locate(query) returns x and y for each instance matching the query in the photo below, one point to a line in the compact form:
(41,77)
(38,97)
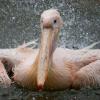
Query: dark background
(19,22)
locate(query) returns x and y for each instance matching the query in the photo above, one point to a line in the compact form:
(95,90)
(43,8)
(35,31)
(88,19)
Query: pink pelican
(50,67)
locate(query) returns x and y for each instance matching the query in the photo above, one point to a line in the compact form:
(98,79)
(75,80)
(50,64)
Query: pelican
(50,67)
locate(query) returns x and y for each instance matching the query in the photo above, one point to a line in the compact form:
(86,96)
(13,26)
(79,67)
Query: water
(19,22)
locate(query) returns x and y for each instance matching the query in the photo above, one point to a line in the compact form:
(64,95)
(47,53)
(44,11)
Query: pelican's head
(51,19)
(51,23)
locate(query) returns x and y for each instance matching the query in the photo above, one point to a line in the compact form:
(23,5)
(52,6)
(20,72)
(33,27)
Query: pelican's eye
(55,21)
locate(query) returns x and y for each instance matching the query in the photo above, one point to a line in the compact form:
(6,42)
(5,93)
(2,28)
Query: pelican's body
(52,68)
(67,64)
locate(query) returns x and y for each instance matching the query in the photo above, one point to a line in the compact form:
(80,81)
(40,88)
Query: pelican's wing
(5,81)
(88,75)
(90,46)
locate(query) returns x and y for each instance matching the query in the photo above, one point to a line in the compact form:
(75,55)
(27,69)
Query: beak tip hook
(40,87)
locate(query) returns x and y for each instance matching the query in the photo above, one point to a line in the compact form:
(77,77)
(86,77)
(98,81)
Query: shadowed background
(19,22)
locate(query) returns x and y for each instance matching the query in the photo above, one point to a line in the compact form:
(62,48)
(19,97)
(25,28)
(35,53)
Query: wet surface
(19,22)
(15,93)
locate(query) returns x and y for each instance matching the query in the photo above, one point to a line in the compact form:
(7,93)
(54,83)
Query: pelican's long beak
(47,47)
